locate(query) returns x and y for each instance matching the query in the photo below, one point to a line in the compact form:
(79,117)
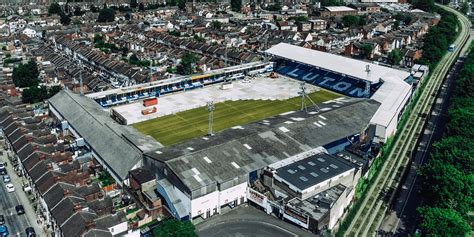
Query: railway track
(373,207)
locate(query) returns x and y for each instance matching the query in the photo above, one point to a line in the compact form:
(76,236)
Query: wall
(201,205)
(233,193)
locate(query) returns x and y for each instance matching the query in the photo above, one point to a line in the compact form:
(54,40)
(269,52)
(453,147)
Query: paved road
(16,224)
(248,221)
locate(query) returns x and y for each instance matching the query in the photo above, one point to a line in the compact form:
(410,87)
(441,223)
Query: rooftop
(313,170)
(337,63)
(119,146)
(242,149)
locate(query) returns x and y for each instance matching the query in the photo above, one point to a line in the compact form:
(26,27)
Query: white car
(10,187)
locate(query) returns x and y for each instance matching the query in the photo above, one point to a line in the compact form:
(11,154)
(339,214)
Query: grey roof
(240,150)
(318,205)
(120,147)
(313,170)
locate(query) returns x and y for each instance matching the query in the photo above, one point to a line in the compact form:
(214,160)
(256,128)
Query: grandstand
(350,77)
(182,83)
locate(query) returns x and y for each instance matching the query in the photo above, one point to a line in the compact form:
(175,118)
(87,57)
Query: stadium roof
(120,147)
(392,93)
(316,169)
(242,149)
(336,63)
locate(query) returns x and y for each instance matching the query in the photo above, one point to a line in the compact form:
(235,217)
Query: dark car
(20,210)
(30,232)
(2,220)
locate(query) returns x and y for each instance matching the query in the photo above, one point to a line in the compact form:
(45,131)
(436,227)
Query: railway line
(373,207)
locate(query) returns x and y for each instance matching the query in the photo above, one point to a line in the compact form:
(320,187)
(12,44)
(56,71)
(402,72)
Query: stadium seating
(323,78)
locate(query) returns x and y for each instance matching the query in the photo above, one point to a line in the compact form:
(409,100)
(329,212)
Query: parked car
(10,187)
(3,230)
(20,210)
(2,219)
(30,232)
(6,179)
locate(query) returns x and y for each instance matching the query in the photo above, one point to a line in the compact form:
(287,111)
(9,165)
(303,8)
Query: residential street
(16,223)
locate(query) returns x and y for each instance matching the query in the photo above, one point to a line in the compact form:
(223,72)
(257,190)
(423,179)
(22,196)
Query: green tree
(395,56)
(65,19)
(461,122)
(366,50)
(455,150)
(78,11)
(187,63)
(236,5)
(350,21)
(141,7)
(54,8)
(216,25)
(174,228)
(133,3)
(425,5)
(181,4)
(26,75)
(446,186)
(464,7)
(106,15)
(442,222)
(93,8)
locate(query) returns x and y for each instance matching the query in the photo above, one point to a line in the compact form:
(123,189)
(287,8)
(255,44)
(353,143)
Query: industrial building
(351,77)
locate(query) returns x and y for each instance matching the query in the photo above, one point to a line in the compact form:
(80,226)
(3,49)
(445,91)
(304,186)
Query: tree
(366,50)
(425,5)
(455,150)
(395,56)
(133,3)
(442,222)
(34,94)
(78,11)
(464,7)
(141,7)
(26,75)
(106,15)
(54,8)
(187,63)
(350,21)
(65,19)
(446,186)
(93,8)
(172,227)
(236,5)
(181,4)
(216,25)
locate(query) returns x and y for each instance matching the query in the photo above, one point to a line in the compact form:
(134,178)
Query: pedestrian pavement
(22,196)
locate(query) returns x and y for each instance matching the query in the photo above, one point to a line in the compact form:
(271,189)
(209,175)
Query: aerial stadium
(263,119)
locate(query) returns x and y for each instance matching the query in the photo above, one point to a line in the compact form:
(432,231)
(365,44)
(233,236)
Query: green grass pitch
(193,123)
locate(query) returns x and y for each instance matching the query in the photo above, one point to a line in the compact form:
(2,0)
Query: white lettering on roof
(207,159)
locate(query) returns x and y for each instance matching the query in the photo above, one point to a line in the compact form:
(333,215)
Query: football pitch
(193,123)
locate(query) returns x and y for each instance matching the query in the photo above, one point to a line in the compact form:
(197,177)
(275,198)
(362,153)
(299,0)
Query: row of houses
(61,176)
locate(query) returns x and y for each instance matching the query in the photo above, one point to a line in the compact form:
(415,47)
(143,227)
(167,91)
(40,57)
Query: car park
(20,210)
(10,187)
